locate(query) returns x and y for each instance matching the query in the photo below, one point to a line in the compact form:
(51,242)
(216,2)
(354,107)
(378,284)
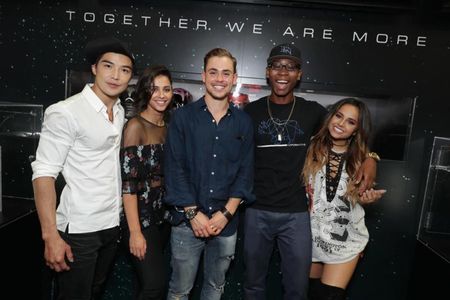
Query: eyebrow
(343,115)
(110,62)
(215,69)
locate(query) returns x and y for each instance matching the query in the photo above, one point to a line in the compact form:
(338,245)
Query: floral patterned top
(141,167)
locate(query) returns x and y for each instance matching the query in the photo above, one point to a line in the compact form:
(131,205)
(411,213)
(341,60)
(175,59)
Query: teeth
(282,81)
(338,129)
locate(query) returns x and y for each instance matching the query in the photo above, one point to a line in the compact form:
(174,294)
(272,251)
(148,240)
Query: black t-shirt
(281,143)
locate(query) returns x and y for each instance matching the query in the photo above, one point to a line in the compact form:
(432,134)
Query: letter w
(234,26)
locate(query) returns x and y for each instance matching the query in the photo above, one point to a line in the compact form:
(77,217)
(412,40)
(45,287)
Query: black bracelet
(226,213)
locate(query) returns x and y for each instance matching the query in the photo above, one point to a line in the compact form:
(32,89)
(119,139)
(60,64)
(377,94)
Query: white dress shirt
(79,140)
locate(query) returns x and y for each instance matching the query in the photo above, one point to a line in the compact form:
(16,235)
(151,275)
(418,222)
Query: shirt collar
(202,106)
(94,100)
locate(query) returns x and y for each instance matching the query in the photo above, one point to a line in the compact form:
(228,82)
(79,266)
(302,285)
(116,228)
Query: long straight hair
(321,143)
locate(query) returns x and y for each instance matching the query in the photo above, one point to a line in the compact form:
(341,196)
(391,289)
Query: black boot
(328,292)
(314,289)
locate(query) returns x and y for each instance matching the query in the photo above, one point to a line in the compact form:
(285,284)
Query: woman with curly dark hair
(143,181)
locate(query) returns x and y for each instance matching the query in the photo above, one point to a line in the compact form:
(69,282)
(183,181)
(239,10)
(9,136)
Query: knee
(154,291)
(328,292)
(172,295)
(219,288)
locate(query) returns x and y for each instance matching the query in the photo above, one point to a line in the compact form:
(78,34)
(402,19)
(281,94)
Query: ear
(203,76)
(235,76)
(300,73)
(94,69)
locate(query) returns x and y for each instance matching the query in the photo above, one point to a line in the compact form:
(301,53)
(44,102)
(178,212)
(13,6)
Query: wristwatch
(190,213)
(374,155)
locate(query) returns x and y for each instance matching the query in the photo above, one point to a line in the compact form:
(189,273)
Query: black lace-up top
(334,168)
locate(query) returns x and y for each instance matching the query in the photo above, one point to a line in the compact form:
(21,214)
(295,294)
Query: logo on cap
(286,50)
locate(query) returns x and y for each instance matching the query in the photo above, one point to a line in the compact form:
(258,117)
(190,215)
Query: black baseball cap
(96,48)
(285,51)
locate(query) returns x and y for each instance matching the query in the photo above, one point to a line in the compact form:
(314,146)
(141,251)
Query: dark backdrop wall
(356,50)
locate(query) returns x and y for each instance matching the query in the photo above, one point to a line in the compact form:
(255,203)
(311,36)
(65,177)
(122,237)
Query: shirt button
(214,155)
(212,173)
(214,121)
(211,191)
(217,137)
(210,208)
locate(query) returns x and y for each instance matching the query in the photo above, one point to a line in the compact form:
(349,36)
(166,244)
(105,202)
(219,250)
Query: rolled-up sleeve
(179,185)
(242,186)
(57,137)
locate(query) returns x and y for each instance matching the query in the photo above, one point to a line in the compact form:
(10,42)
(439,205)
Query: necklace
(278,124)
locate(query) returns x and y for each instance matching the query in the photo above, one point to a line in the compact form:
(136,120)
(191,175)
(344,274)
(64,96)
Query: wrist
(227,214)
(190,212)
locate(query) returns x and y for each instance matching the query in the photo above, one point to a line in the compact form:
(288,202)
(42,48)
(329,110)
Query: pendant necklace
(277,124)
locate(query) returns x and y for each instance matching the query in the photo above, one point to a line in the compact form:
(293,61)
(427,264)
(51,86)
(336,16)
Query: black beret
(98,47)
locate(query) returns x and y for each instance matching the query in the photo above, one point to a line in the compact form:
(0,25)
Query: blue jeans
(186,252)
(292,233)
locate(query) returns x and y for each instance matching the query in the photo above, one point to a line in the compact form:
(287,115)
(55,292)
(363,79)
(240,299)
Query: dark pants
(94,255)
(152,271)
(291,232)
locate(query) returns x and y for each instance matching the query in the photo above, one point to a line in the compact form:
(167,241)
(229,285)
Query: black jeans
(94,255)
(152,271)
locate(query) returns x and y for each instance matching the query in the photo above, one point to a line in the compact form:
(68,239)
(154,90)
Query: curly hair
(144,86)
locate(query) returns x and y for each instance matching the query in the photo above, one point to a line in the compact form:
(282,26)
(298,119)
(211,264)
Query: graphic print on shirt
(280,132)
(333,218)
(339,230)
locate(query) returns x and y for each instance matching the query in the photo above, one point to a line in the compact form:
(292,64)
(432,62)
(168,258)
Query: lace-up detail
(334,168)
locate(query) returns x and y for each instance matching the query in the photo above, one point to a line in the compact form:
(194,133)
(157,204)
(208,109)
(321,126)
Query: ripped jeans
(185,257)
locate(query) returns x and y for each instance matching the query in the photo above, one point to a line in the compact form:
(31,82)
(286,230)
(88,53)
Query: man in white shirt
(80,138)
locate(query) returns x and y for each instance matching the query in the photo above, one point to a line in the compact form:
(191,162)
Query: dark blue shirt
(207,162)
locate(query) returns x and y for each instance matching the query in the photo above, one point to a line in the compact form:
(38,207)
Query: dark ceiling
(418,6)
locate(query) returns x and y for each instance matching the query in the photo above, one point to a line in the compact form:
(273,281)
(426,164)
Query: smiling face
(112,73)
(344,123)
(283,75)
(161,94)
(219,77)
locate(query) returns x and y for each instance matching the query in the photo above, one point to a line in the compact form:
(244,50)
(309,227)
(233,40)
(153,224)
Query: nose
(159,93)
(116,73)
(220,76)
(284,69)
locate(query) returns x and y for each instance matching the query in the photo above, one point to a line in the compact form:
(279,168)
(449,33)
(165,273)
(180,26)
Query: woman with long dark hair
(339,233)
(143,181)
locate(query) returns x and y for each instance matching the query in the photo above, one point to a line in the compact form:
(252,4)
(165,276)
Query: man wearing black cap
(283,126)
(80,138)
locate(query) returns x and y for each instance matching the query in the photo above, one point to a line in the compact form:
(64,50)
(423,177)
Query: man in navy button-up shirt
(209,172)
